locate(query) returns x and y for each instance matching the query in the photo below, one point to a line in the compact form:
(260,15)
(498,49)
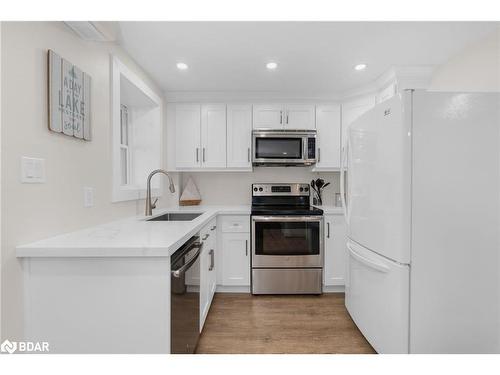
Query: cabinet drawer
(235,224)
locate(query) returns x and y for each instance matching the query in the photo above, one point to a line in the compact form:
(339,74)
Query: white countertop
(331,210)
(131,237)
(134,236)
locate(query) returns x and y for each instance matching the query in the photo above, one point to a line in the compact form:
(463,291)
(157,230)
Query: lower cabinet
(235,250)
(335,251)
(208,279)
(236,259)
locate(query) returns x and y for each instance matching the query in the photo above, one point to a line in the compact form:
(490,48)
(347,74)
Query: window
(137,134)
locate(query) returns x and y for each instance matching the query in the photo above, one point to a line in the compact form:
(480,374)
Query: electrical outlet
(32,170)
(88,196)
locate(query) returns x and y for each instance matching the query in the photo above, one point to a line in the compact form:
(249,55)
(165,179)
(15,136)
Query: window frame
(133,190)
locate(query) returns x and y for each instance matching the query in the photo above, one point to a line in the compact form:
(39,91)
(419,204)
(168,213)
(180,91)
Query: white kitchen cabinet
(283,116)
(187,135)
(268,116)
(328,140)
(299,116)
(239,136)
(208,279)
(213,136)
(236,259)
(335,250)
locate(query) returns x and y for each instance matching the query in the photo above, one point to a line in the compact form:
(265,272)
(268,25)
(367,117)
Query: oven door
(278,148)
(287,241)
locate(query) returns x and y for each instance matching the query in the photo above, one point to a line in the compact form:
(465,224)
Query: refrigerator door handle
(342,179)
(367,262)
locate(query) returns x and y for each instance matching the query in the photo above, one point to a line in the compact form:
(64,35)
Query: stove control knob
(260,189)
(306,189)
(301,189)
(255,189)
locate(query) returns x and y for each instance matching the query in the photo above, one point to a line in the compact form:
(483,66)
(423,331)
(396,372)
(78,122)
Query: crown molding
(406,77)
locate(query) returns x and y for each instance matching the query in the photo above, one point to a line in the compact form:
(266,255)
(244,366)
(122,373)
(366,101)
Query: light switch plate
(88,196)
(32,170)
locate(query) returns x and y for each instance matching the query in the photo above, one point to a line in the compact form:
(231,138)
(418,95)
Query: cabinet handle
(205,237)
(287,117)
(203,154)
(213,228)
(197,157)
(248,154)
(246,247)
(281,117)
(319,154)
(327,230)
(212,259)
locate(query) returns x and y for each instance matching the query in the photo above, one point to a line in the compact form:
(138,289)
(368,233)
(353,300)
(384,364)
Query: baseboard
(232,289)
(333,289)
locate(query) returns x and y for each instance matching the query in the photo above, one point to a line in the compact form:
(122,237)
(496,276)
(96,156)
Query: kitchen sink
(177,216)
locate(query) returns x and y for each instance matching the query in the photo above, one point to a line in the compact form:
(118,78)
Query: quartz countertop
(130,237)
(135,236)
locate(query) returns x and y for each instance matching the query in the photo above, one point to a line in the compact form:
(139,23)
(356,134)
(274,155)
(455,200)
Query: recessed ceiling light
(271,65)
(360,67)
(182,66)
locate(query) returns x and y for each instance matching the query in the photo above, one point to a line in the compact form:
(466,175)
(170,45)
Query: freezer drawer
(377,297)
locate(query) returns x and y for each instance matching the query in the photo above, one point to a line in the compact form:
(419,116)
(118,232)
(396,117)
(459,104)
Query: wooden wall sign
(69,98)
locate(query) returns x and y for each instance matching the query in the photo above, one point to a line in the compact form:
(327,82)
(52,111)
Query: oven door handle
(287,218)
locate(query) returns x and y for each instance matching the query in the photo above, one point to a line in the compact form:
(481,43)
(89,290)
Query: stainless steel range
(287,240)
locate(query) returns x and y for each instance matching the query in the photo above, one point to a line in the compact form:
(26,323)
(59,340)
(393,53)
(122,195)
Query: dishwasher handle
(179,272)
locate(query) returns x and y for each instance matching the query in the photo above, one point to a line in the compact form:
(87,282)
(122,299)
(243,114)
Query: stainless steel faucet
(151,205)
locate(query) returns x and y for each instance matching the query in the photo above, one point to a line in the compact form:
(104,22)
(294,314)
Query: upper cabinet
(267,116)
(281,116)
(239,136)
(213,136)
(299,116)
(328,140)
(187,135)
(200,136)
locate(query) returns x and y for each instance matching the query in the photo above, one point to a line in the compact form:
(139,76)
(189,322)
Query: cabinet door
(236,259)
(299,116)
(239,136)
(207,269)
(335,250)
(204,285)
(187,136)
(268,116)
(328,137)
(213,136)
(212,265)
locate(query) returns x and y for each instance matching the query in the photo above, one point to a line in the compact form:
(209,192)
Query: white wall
(234,188)
(475,68)
(37,211)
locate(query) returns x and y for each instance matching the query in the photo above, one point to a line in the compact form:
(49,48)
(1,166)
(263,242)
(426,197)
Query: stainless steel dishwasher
(185,297)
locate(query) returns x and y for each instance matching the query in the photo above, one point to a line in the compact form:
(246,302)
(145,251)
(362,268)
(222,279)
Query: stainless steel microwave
(284,147)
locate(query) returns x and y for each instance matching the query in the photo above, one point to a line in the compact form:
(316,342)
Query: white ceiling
(314,57)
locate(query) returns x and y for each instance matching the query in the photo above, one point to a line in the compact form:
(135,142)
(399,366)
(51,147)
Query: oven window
(287,238)
(278,148)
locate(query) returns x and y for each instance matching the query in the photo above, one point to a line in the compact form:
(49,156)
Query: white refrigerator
(422,205)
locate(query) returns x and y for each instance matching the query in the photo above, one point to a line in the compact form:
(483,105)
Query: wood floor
(242,323)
